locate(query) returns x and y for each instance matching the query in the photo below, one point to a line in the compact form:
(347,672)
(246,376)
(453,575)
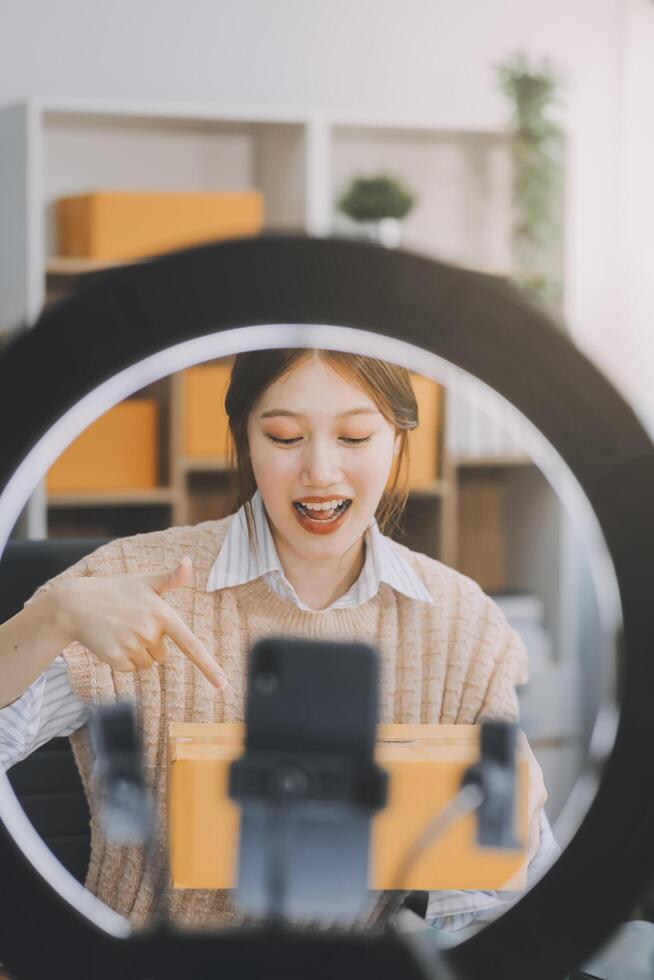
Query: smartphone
(308,784)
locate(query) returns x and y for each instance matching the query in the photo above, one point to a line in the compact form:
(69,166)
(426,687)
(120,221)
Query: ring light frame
(479,324)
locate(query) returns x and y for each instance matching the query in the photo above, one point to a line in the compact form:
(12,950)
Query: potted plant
(378,205)
(537,155)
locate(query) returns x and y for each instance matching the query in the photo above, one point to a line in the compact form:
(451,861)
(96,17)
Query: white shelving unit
(301,162)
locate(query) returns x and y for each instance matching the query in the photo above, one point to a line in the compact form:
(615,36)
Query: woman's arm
(122,619)
(29,642)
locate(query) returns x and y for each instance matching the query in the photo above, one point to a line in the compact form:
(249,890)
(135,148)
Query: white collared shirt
(237,563)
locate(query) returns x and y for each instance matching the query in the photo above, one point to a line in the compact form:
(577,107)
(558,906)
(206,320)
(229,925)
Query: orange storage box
(424,441)
(206,429)
(116,452)
(425,764)
(121,225)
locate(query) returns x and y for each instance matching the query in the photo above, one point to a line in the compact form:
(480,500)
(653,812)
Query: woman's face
(315,438)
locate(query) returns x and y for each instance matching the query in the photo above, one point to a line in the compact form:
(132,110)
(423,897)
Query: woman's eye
(350,441)
(285,442)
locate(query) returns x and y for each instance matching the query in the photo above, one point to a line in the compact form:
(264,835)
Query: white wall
(419,56)
(630,330)
(430,57)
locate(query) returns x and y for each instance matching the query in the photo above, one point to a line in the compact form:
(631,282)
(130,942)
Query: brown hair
(388,385)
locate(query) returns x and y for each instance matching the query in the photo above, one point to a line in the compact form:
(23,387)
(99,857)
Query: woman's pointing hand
(123,620)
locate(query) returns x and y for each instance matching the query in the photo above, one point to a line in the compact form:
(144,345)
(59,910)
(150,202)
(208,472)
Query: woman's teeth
(328,505)
(333,507)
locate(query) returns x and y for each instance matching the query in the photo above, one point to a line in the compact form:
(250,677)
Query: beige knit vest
(451,662)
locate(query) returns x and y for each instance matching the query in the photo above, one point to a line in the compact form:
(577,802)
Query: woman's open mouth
(324,517)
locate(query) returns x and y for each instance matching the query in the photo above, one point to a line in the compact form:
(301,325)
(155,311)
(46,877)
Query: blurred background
(515,138)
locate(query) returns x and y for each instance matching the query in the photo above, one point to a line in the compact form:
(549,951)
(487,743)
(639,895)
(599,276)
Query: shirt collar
(237,563)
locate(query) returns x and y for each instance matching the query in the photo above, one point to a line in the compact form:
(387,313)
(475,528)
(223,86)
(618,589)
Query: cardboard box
(424,441)
(425,764)
(122,225)
(116,452)
(206,428)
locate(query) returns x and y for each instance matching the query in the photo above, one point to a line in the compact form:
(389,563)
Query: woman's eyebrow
(363,410)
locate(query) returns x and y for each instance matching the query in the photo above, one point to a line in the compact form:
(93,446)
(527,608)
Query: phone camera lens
(266,682)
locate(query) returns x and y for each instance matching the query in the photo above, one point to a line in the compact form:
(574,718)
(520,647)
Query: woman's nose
(321,466)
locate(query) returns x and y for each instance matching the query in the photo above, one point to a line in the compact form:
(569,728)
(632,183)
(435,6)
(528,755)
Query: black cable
(468,799)
(155,857)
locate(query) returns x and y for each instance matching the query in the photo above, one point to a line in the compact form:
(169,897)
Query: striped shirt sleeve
(47,709)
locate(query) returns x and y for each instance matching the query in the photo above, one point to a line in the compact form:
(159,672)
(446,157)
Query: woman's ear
(397,444)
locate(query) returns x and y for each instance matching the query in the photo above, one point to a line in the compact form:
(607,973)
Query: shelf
(437,489)
(62,266)
(488,461)
(149,496)
(206,464)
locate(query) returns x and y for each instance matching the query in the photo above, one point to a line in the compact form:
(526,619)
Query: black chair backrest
(47,783)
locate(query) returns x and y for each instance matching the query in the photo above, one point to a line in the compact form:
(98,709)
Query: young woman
(168,618)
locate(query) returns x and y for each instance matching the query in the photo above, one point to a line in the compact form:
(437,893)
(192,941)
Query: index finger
(189,644)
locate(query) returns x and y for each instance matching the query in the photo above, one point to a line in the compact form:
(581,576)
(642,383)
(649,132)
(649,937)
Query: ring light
(214,300)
